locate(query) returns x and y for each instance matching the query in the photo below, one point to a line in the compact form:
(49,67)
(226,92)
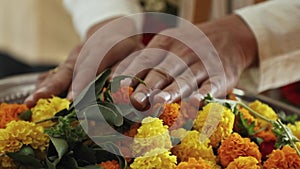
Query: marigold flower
(179,133)
(122,96)
(287,157)
(156,158)
(19,133)
(152,134)
(47,108)
(264,110)
(266,135)
(192,163)
(191,146)
(235,146)
(248,162)
(170,113)
(10,112)
(295,128)
(215,121)
(6,162)
(110,164)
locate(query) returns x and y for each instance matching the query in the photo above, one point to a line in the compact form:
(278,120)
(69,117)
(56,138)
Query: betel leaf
(91,90)
(116,82)
(25,156)
(26,115)
(84,153)
(57,149)
(104,111)
(110,115)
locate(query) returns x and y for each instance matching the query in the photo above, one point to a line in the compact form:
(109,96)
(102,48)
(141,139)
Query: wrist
(246,40)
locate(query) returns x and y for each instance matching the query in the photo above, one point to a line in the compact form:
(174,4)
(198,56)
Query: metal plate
(16,88)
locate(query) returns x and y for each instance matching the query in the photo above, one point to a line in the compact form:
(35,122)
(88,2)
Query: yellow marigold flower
(152,134)
(264,110)
(215,121)
(295,128)
(248,162)
(191,146)
(6,162)
(47,108)
(287,157)
(156,158)
(10,112)
(235,146)
(19,133)
(110,164)
(192,163)
(170,113)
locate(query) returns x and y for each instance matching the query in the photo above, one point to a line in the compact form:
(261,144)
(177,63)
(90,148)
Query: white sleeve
(276,26)
(86,13)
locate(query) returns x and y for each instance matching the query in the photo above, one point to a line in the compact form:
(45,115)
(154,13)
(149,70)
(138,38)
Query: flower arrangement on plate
(100,129)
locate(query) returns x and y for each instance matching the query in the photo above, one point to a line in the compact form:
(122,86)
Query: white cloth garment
(275,25)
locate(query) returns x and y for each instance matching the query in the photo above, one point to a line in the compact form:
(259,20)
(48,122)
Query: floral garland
(51,134)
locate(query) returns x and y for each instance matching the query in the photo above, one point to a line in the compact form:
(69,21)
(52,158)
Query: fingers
(161,76)
(55,83)
(91,62)
(183,85)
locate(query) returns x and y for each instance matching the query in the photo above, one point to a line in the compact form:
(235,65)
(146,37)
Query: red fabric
(292,93)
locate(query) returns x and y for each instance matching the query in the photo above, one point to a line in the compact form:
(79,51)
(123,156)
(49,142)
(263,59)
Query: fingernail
(70,96)
(162,97)
(139,100)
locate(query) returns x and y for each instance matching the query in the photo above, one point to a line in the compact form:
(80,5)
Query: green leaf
(57,149)
(287,118)
(108,112)
(26,157)
(245,127)
(84,153)
(26,115)
(87,94)
(92,167)
(107,138)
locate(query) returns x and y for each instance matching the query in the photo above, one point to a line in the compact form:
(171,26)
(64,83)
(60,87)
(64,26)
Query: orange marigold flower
(266,135)
(248,162)
(264,110)
(285,158)
(10,112)
(235,146)
(192,163)
(214,121)
(192,146)
(110,164)
(187,112)
(170,113)
(122,96)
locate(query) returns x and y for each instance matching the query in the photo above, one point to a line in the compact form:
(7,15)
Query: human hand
(60,79)
(193,68)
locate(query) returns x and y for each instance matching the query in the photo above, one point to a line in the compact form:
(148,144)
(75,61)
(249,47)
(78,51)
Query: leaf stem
(290,137)
(255,113)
